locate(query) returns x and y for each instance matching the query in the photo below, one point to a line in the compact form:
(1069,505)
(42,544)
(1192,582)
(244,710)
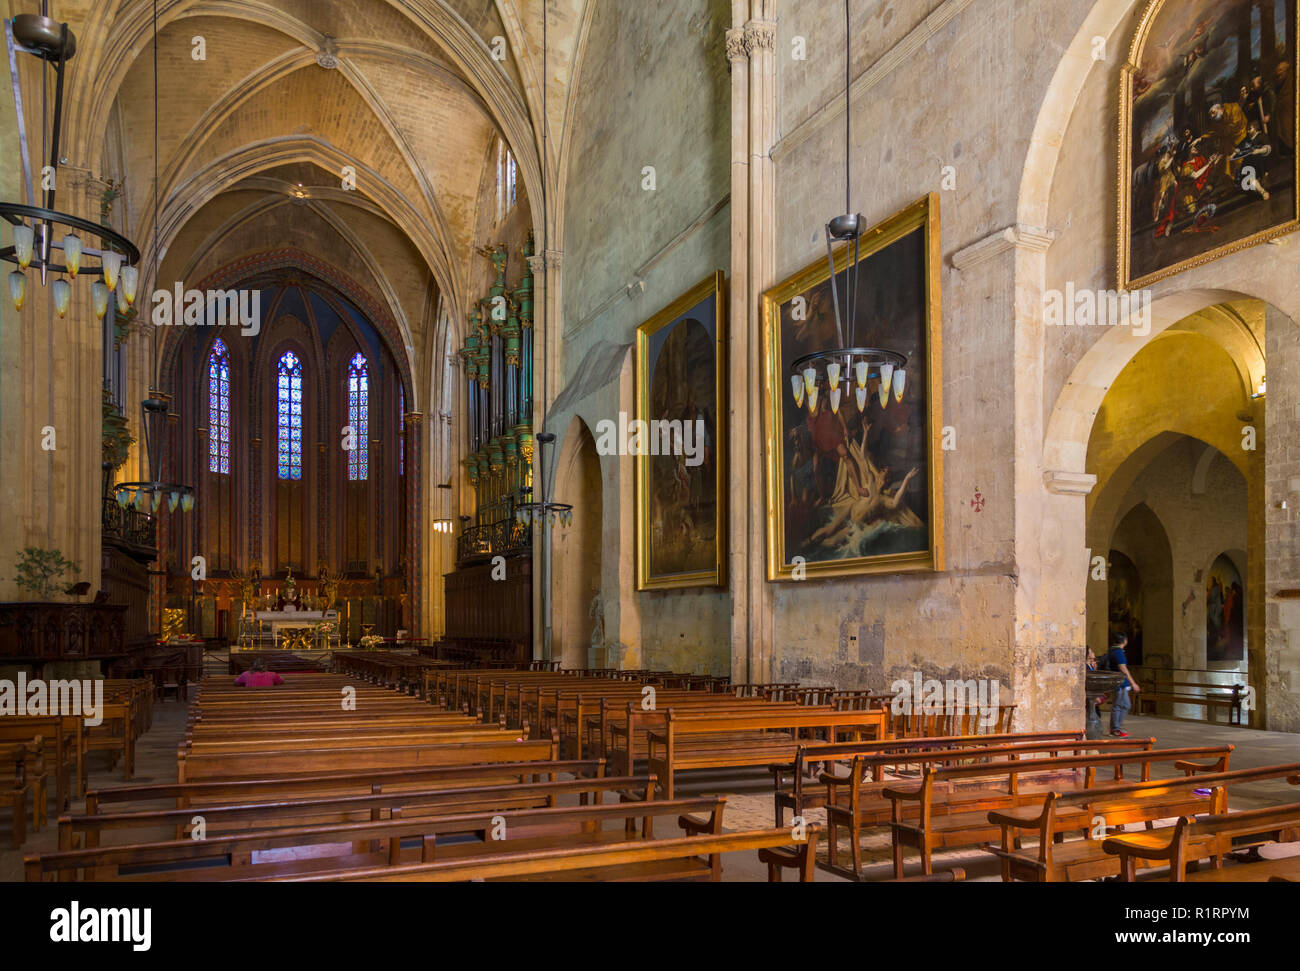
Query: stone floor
(749,803)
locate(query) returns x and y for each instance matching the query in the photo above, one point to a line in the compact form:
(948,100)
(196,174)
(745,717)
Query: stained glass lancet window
(401,431)
(358,419)
(289,415)
(219,408)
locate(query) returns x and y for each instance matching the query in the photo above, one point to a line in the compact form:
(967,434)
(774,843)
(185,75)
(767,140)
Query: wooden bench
(704,739)
(1229,700)
(20,763)
(222,818)
(684,858)
(1085,859)
(201,766)
(963,820)
(256,789)
(807,792)
(1211,836)
(65,748)
(283,852)
(116,734)
(955,720)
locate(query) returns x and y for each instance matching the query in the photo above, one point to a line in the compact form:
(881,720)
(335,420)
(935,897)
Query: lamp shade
(123,498)
(187,502)
(72,254)
(112,265)
(122,305)
(17,289)
(900,380)
(99,295)
(130,280)
(62,292)
(24,240)
(796,381)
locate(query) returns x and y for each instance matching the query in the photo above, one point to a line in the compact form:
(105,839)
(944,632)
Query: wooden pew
(338,846)
(806,792)
(1085,859)
(705,739)
(116,734)
(966,822)
(201,766)
(219,819)
(65,748)
(855,802)
(1213,835)
(683,858)
(20,763)
(256,789)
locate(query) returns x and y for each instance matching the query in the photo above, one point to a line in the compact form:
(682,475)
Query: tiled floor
(749,803)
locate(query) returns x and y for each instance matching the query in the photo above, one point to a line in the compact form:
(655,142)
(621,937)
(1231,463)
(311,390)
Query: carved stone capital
(413,417)
(536,264)
(736,49)
(760,35)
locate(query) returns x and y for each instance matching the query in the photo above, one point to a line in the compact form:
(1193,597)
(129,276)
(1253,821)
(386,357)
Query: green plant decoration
(39,570)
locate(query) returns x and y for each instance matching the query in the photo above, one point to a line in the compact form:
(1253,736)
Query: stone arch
(578,619)
(1144,539)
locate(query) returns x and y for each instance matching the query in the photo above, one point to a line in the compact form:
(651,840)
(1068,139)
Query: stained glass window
(289,415)
(401,431)
(219,408)
(358,419)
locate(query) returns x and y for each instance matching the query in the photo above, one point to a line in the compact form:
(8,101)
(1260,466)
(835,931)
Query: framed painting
(854,483)
(1208,108)
(678,438)
(1225,613)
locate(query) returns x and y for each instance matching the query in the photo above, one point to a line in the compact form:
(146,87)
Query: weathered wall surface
(1077,198)
(653,92)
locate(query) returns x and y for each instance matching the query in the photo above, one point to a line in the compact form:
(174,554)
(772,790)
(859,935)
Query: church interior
(442,436)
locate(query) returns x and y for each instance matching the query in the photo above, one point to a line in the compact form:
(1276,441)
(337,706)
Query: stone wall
(649,70)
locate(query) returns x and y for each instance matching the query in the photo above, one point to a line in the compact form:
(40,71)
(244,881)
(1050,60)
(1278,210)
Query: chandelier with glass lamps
(546,511)
(40,230)
(826,378)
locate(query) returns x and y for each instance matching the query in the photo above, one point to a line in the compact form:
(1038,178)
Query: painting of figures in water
(853,471)
(681,519)
(1225,613)
(1208,155)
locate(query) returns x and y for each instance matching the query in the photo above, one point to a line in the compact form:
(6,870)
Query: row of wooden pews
(330,778)
(38,749)
(1066,793)
(632,718)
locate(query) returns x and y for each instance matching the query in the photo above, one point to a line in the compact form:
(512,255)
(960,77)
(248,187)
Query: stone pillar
(751,51)
(413,429)
(548,296)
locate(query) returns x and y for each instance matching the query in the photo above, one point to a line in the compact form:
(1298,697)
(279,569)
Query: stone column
(414,429)
(751,51)
(548,296)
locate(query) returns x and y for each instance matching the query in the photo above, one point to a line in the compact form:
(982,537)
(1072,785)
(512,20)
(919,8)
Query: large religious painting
(1225,612)
(1207,139)
(854,473)
(1124,586)
(680,442)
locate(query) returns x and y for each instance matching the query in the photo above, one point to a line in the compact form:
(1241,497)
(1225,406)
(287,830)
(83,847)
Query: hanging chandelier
(827,377)
(39,230)
(546,511)
(149,496)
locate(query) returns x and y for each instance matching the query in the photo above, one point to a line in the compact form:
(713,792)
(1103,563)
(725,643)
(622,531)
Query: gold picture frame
(1197,205)
(914,230)
(660,564)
